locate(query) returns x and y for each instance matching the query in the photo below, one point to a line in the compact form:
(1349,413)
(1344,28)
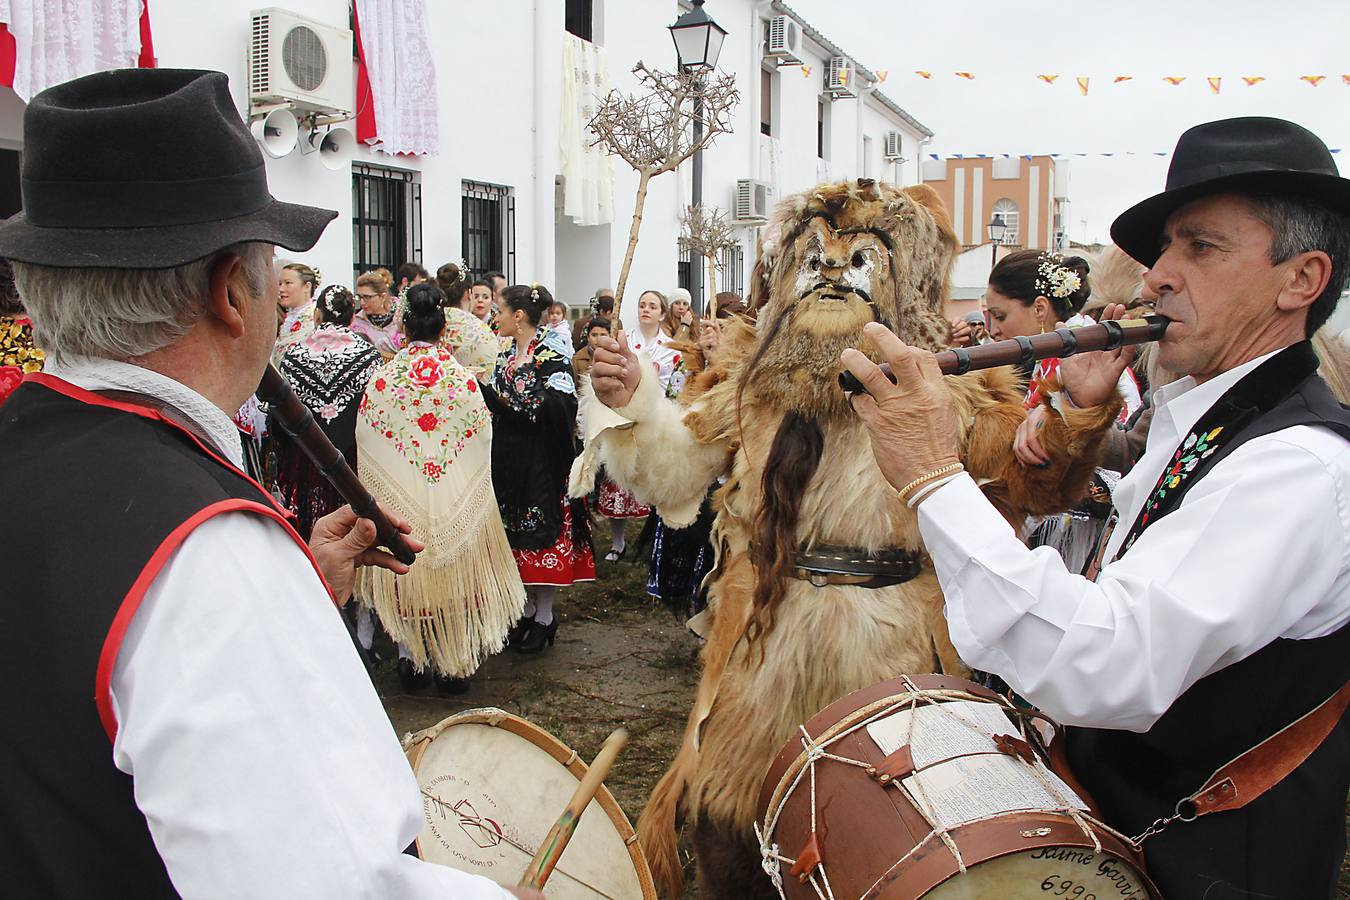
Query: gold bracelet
(949,469)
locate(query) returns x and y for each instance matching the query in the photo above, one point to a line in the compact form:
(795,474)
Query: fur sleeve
(647,449)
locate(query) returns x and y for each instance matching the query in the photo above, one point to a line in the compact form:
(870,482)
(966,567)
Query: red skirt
(560,565)
(616,503)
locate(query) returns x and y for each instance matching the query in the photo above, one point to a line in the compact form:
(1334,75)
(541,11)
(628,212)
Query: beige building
(1029,194)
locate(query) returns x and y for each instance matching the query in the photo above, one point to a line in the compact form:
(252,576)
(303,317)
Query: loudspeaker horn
(336,148)
(277,132)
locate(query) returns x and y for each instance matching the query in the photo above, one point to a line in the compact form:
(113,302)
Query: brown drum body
(873,839)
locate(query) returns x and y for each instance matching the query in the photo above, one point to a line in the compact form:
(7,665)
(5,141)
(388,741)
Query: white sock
(365,628)
(528,612)
(543,601)
(617,540)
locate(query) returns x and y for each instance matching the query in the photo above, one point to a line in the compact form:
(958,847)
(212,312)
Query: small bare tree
(653,131)
(706,231)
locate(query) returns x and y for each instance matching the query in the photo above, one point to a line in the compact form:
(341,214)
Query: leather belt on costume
(850,565)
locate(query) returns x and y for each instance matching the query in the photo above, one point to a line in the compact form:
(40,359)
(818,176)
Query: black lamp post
(698,41)
(997,228)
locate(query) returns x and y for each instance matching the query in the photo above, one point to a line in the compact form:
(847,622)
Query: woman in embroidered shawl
(534,408)
(296,286)
(468,337)
(328,369)
(376,321)
(426,443)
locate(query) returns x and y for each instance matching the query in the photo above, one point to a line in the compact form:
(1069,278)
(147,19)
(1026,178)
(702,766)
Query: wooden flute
(1023,350)
(297,421)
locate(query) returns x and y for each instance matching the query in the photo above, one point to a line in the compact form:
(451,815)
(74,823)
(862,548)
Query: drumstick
(536,874)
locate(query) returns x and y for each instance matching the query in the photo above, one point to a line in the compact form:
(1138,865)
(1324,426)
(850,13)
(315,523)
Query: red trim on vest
(75,392)
(132,601)
(107,658)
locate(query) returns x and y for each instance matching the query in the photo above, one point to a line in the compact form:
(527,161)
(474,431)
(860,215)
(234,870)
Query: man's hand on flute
(912,423)
(1091,379)
(615,371)
(341,542)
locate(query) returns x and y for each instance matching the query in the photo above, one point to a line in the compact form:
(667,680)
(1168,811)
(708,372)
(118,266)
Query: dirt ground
(621,659)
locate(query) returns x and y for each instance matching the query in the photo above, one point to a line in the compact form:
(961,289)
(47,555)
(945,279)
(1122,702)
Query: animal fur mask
(838,257)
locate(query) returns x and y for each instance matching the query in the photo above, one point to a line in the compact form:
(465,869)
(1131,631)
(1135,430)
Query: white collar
(1185,401)
(94,374)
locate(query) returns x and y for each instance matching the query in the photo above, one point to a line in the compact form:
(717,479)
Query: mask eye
(859,260)
(814,262)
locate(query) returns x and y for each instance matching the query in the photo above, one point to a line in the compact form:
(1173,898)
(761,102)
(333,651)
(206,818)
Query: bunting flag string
(1029,156)
(1214,82)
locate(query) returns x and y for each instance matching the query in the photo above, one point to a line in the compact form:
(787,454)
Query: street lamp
(698,42)
(997,228)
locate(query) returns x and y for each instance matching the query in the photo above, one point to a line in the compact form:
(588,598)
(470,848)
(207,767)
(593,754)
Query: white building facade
(492,195)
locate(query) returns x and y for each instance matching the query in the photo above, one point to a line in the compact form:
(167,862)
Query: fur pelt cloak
(769,416)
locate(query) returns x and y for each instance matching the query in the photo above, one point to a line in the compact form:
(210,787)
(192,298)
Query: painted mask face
(839,275)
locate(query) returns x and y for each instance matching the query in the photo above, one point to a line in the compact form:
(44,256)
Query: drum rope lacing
(815,749)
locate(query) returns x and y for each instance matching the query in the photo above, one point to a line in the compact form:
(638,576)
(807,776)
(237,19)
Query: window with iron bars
(730,270)
(386,218)
(489,229)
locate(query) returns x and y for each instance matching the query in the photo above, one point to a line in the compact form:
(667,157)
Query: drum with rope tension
(932,786)
(492,785)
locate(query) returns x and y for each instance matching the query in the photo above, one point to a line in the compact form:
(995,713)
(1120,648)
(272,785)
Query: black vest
(1287,844)
(93,492)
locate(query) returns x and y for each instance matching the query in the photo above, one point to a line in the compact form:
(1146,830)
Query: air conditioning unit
(893,146)
(750,205)
(297,62)
(838,77)
(785,41)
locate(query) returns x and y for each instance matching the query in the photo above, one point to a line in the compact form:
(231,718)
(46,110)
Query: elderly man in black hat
(1215,617)
(184,711)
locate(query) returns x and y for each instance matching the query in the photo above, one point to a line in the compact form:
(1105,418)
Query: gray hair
(133,311)
(1300,225)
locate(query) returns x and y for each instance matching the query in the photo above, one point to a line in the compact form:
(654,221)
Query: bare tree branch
(653,131)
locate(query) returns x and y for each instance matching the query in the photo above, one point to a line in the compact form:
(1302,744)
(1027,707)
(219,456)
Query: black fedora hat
(1251,154)
(144,169)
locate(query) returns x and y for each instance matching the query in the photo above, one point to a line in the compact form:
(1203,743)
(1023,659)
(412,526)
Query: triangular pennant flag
(1005,155)
(1335,150)
(1160,154)
(844,73)
(1048,79)
(1314,80)
(1028,156)
(881,75)
(1082,84)
(1119,78)
(966,75)
(1253,79)
(922,74)
(1345,78)
(806,71)
(1174,80)
(1214,81)
(935,156)
(1055,155)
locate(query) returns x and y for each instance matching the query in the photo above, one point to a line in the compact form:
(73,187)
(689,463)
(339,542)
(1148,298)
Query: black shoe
(538,635)
(411,679)
(518,631)
(448,684)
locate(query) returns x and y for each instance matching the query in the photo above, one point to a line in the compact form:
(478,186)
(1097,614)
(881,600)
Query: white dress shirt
(261,756)
(1258,549)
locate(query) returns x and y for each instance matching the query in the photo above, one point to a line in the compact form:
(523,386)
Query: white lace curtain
(588,172)
(402,75)
(57,40)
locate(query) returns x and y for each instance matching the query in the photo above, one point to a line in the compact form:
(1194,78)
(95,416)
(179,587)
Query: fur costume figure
(769,416)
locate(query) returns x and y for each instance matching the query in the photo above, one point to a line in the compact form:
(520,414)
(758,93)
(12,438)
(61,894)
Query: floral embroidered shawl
(329,369)
(471,341)
(298,325)
(18,355)
(425,450)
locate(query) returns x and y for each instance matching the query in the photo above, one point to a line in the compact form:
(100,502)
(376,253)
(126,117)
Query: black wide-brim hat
(1253,154)
(145,169)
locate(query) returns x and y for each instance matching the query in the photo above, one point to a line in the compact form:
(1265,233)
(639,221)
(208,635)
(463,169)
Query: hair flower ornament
(1054,279)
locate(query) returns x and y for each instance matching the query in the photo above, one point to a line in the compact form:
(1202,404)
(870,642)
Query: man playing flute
(1218,611)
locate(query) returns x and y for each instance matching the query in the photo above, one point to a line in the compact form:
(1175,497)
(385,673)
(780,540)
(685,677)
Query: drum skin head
(1080,874)
(493,784)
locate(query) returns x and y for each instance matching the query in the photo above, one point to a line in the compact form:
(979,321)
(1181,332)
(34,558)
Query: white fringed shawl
(424,439)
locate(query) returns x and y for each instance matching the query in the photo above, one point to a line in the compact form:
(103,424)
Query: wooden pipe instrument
(1023,350)
(298,422)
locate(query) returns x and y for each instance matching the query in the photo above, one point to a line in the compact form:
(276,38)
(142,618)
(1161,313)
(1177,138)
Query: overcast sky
(1005,109)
